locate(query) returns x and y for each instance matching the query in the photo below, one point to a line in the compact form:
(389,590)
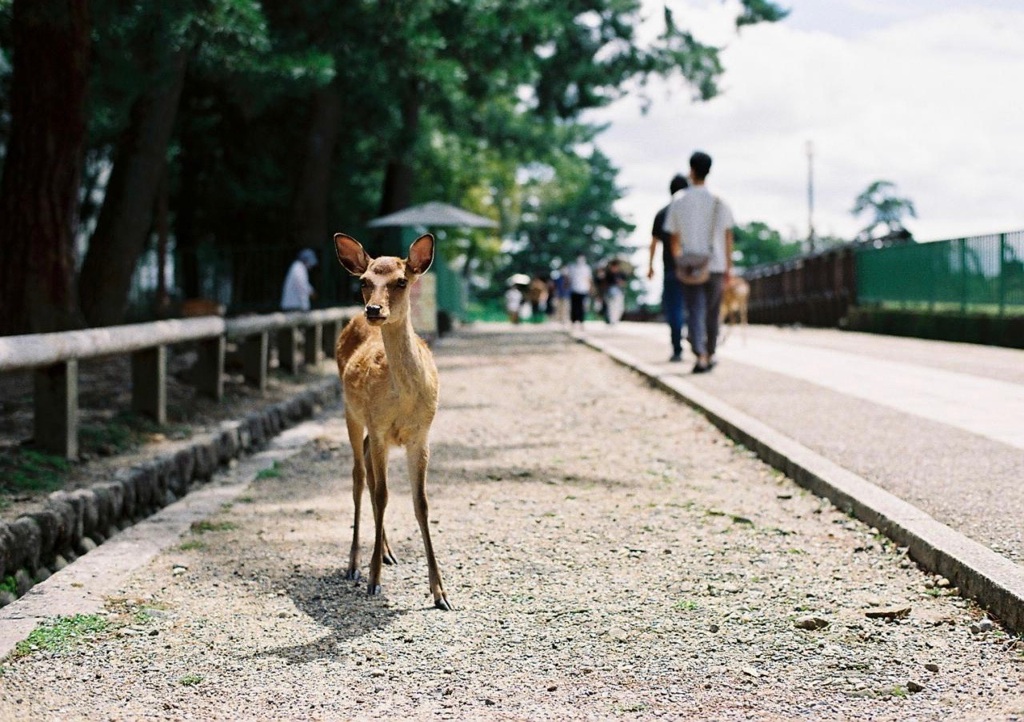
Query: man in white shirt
(701,223)
(580,279)
(298,291)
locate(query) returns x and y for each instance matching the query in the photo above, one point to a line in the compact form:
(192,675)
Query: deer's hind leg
(388,557)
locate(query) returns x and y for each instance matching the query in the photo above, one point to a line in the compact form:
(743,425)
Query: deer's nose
(373,311)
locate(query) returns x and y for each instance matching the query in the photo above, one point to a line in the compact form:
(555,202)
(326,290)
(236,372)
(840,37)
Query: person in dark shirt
(672,289)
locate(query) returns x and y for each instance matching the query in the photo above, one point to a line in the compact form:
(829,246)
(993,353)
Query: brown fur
(391,392)
(735,297)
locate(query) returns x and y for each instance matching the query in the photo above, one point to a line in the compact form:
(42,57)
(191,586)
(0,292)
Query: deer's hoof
(373,590)
(442,603)
(389,559)
(352,575)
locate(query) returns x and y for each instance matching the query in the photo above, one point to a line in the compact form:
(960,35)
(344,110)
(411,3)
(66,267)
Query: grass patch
(61,635)
(8,584)
(201,527)
(192,545)
(123,433)
(687,605)
(27,470)
(273,472)
(191,680)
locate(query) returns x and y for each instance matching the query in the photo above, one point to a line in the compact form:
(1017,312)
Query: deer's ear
(351,254)
(421,254)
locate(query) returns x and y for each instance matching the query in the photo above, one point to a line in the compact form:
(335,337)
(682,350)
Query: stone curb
(72,523)
(994,581)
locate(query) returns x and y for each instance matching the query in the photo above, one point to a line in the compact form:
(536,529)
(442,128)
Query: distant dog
(735,297)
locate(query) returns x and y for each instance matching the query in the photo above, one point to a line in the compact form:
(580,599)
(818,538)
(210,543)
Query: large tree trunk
(312,192)
(399,176)
(42,170)
(127,214)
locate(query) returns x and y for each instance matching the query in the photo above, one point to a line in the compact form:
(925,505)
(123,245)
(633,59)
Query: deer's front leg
(418,455)
(379,491)
(355,437)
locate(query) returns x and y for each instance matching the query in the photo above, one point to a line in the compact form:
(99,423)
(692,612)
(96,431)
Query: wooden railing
(815,290)
(53,358)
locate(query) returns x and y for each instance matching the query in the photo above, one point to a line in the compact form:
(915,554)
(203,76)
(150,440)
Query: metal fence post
(149,383)
(56,408)
(963,275)
(1002,274)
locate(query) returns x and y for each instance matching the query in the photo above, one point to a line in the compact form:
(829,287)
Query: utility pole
(810,196)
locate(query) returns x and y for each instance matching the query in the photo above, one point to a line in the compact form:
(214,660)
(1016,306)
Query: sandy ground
(609,554)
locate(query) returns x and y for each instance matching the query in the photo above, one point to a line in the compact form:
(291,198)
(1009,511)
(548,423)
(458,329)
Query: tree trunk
(312,192)
(161,225)
(127,214)
(399,176)
(43,167)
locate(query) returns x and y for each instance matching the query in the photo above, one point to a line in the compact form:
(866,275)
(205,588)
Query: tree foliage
(280,122)
(757,243)
(887,209)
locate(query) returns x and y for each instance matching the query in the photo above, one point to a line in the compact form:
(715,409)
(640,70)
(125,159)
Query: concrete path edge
(995,582)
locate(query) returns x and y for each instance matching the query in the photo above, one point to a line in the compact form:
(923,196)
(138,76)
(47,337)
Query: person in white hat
(297,291)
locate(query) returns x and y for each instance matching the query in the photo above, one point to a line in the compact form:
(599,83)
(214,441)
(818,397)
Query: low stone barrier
(72,523)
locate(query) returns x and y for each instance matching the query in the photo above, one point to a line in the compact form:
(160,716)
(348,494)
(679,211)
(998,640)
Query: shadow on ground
(339,605)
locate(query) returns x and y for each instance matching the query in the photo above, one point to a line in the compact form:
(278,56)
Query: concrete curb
(994,581)
(70,524)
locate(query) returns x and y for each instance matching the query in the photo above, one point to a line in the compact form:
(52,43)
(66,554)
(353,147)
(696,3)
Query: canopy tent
(433,214)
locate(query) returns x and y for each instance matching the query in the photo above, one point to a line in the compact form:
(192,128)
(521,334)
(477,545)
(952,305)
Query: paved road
(940,425)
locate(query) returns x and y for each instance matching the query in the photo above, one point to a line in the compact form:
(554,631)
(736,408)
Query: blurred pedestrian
(513,303)
(298,291)
(561,296)
(700,225)
(671,288)
(615,291)
(537,294)
(581,280)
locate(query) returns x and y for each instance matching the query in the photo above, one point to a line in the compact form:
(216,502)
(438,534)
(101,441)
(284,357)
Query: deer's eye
(365,284)
(401,283)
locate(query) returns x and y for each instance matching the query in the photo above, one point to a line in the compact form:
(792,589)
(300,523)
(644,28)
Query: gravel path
(609,554)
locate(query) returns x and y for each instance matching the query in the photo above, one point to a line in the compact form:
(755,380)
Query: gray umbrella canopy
(433,214)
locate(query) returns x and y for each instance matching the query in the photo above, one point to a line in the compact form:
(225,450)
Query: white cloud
(926,99)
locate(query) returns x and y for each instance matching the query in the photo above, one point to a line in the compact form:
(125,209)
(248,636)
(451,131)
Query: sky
(927,94)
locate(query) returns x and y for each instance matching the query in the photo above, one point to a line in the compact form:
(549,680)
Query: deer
(735,296)
(390,387)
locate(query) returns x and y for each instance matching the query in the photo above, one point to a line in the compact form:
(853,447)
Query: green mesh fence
(982,274)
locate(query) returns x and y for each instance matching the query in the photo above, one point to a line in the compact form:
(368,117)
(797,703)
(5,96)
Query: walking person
(580,284)
(700,225)
(297,290)
(513,303)
(561,296)
(671,288)
(615,291)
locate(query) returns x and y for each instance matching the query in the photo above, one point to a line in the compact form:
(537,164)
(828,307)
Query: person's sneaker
(676,358)
(701,368)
